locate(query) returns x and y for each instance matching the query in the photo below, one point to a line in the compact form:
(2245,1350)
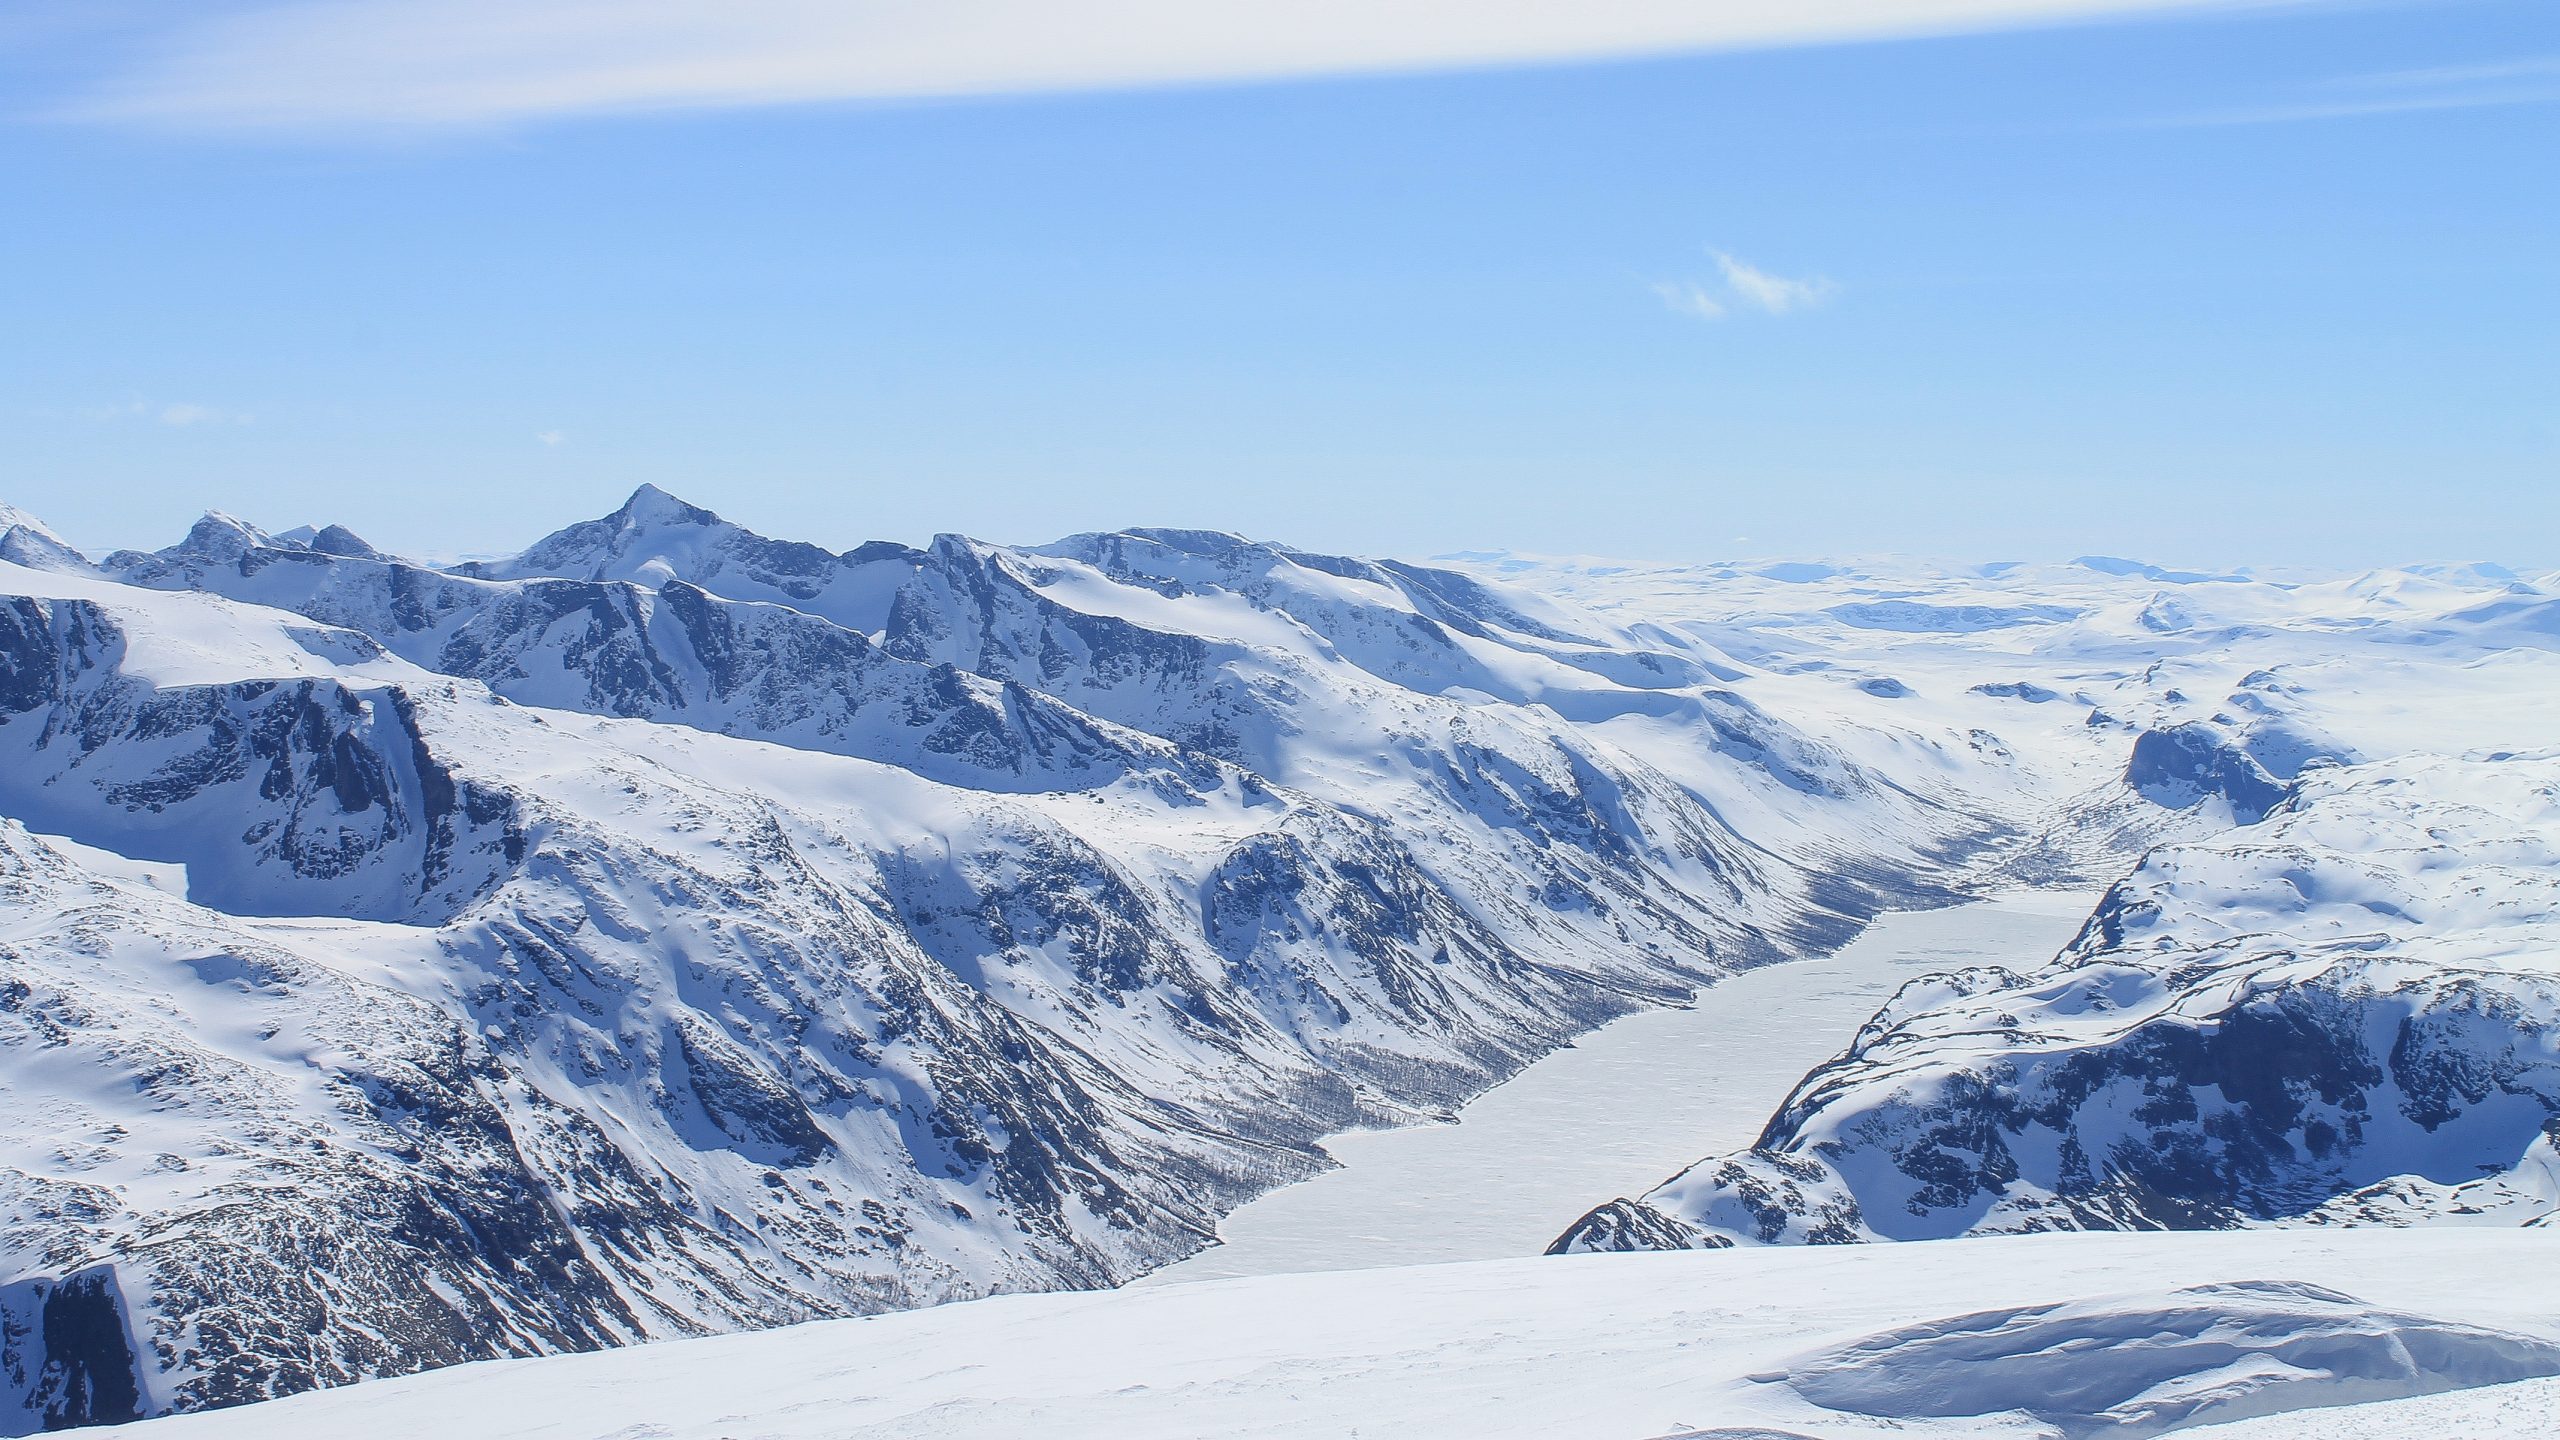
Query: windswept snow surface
(1615,1112)
(2055,1337)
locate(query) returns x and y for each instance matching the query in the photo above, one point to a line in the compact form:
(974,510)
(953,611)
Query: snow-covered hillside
(670,930)
(459,1027)
(2197,692)
(2349,1013)
(2055,1337)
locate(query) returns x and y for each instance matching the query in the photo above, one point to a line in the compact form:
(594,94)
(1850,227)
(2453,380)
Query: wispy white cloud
(1775,294)
(552,437)
(1743,285)
(2529,80)
(1688,297)
(2531,67)
(407,63)
(187,413)
(182,413)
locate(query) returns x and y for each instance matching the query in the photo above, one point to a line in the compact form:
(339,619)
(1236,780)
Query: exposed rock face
(2185,764)
(2349,1013)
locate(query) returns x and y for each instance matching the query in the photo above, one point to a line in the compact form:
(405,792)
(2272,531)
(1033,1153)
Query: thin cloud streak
(405,64)
(2532,67)
(2533,80)
(187,413)
(180,414)
(2345,110)
(1775,294)
(1688,297)
(1746,285)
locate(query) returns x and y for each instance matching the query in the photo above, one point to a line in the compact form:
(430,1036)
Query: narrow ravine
(1617,1114)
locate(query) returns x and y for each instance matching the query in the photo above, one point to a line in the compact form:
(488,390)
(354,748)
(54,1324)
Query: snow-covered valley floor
(1626,1106)
(1630,1346)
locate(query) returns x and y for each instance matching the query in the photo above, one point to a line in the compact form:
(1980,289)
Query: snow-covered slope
(24,540)
(672,930)
(2127,692)
(681,1031)
(2349,1013)
(2057,1337)
(675,653)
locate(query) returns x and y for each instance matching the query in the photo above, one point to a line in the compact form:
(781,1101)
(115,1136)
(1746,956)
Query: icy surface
(1625,1104)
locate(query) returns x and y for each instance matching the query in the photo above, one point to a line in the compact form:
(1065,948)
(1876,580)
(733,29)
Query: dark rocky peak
(2180,766)
(335,540)
(340,541)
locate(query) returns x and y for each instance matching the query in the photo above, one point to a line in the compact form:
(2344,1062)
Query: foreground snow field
(1825,1342)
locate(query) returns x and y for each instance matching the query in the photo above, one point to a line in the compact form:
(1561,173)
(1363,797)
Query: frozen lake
(1617,1114)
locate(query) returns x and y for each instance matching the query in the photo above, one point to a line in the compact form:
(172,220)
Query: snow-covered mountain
(669,930)
(405,966)
(2346,1014)
(24,540)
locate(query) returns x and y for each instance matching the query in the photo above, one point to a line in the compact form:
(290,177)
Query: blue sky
(2241,285)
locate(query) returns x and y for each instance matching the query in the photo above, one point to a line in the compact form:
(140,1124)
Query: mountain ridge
(776,932)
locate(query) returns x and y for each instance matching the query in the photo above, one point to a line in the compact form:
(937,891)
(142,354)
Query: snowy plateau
(763,968)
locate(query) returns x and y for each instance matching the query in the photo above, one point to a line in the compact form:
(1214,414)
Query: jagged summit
(220,538)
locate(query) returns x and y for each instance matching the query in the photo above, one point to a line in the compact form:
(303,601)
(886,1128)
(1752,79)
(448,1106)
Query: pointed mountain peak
(219,537)
(340,541)
(652,524)
(652,508)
